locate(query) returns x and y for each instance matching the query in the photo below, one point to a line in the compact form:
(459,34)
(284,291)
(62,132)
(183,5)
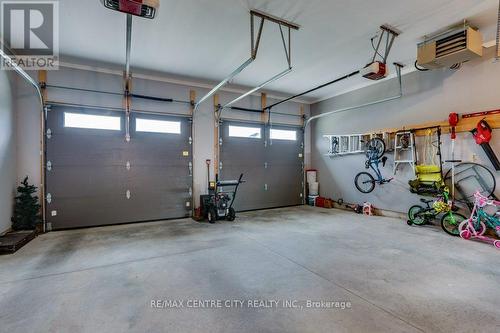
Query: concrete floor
(396,278)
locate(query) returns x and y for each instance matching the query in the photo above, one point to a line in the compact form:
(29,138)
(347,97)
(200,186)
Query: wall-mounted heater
(453,47)
(142,8)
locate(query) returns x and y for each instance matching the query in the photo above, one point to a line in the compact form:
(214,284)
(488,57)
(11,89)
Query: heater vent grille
(451,44)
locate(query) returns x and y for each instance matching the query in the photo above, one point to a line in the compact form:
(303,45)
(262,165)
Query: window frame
(114,122)
(275,130)
(243,136)
(177,125)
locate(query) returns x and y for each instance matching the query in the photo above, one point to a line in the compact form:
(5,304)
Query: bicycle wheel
(365,183)
(450,223)
(415,215)
(375,146)
(469,178)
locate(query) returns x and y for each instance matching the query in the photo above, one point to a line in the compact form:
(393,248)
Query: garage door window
(158,126)
(283,135)
(89,121)
(244,132)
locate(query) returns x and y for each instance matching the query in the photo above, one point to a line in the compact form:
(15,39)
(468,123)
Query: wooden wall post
(263,104)
(42,80)
(302,113)
(192,99)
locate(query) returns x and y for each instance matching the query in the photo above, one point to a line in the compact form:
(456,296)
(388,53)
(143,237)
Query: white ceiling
(208,39)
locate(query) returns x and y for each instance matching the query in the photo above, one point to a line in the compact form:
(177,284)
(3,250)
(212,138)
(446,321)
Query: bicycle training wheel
(375,146)
(365,183)
(450,223)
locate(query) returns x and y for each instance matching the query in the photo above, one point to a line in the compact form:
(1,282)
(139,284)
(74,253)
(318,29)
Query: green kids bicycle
(450,220)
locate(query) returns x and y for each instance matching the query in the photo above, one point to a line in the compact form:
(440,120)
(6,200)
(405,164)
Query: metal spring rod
(260,111)
(153,98)
(84,90)
(116,109)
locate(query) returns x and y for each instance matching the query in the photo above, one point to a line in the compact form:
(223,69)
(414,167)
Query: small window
(158,126)
(89,121)
(244,132)
(283,135)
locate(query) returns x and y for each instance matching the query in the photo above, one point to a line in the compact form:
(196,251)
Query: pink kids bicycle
(486,213)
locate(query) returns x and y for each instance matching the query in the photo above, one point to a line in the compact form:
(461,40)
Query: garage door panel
(273,171)
(249,193)
(98,178)
(90,179)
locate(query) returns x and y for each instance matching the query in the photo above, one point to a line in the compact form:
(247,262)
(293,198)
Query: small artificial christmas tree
(27,209)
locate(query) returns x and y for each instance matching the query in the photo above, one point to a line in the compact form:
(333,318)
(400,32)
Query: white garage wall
(428,96)
(7,149)
(28,120)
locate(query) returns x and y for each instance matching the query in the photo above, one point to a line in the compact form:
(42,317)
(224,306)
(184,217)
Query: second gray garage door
(271,159)
(95,177)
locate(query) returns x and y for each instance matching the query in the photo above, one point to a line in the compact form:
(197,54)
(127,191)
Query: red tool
(453,120)
(482,134)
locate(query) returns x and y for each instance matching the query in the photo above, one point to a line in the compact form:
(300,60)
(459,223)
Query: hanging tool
(453,121)
(482,134)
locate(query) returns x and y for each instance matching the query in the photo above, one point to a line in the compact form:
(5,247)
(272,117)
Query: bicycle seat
(426,201)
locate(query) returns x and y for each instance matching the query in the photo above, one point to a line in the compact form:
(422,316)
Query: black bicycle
(364,181)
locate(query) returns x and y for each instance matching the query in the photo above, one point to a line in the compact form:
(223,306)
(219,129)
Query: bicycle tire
(363,189)
(412,215)
(378,145)
(449,227)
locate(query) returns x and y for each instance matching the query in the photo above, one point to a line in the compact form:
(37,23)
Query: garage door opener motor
(142,8)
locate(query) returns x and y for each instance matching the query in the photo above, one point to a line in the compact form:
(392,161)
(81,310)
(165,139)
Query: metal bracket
(49,165)
(128,165)
(48,197)
(190,140)
(255,43)
(190,168)
(390,35)
(128,194)
(49,133)
(220,165)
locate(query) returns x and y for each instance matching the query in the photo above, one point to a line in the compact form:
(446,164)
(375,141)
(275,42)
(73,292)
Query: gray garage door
(271,159)
(95,177)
